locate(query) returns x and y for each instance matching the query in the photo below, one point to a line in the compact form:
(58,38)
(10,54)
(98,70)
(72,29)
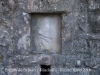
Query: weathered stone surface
(94,63)
(94,21)
(80,36)
(93,46)
(94,5)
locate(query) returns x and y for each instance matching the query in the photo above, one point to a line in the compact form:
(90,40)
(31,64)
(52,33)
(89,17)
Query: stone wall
(80,43)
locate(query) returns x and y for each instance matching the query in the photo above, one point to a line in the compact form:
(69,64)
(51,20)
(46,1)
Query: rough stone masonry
(80,37)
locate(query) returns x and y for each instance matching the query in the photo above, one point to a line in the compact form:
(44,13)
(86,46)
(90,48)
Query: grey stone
(45,31)
(80,36)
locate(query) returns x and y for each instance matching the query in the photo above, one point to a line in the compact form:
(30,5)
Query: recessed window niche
(94,22)
(46,32)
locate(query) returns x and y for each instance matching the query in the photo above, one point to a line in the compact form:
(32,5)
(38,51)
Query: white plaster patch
(11,28)
(78,62)
(24,13)
(25,17)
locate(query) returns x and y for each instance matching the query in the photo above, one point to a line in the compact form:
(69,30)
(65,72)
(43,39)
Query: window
(46,32)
